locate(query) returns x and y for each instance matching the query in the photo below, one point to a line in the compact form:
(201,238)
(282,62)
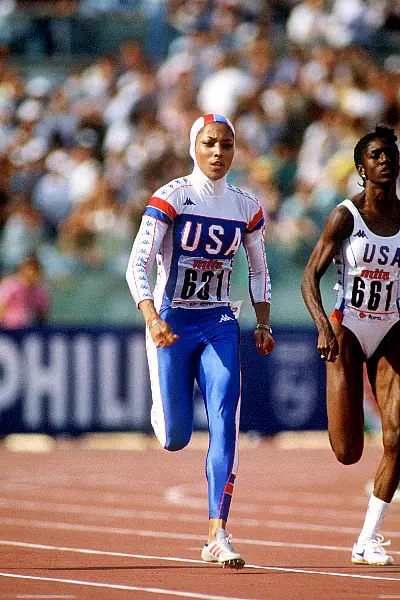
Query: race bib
(373,296)
(203,279)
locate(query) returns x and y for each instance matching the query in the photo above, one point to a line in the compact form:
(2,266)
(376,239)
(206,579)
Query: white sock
(376,511)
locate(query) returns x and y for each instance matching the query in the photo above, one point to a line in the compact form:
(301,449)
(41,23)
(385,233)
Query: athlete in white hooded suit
(193,226)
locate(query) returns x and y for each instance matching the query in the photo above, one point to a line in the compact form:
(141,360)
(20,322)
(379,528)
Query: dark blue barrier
(85,379)
(284,391)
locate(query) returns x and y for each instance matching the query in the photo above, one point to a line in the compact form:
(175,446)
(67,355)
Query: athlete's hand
(264,341)
(162,334)
(327,345)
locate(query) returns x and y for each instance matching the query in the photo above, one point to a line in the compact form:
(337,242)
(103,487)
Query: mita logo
(377,274)
(207,265)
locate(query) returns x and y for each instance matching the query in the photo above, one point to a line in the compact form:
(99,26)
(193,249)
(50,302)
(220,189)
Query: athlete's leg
(172,380)
(220,382)
(384,373)
(344,393)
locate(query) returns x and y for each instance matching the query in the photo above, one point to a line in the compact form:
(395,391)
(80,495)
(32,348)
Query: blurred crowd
(301,80)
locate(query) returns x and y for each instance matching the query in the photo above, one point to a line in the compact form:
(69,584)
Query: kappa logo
(361,234)
(189,202)
(226,318)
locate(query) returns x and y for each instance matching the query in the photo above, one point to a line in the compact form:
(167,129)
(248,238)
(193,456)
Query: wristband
(264,326)
(154,322)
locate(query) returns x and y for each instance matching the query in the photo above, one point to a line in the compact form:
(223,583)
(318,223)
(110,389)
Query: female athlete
(193,226)
(362,236)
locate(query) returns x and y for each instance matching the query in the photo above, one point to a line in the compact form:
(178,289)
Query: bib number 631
(200,288)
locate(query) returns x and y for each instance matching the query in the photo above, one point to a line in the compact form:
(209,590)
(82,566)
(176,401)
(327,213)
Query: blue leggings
(207,351)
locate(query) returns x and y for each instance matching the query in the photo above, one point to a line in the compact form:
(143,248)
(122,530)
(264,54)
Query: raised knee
(174,446)
(347,454)
(176,442)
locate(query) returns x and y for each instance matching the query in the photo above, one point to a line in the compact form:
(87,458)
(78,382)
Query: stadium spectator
(85,169)
(22,234)
(222,90)
(51,195)
(307,23)
(24,296)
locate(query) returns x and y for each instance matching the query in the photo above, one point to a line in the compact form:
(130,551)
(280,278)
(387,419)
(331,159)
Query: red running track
(79,522)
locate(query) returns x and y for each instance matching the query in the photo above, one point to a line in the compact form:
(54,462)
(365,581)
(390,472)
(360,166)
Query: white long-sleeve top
(194,227)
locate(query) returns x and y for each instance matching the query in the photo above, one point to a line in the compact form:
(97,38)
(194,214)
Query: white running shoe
(222,551)
(372,553)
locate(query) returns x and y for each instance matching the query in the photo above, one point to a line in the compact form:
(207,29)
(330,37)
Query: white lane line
(129,588)
(43,506)
(75,500)
(167,558)
(98,552)
(109,553)
(177,496)
(124,513)
(184,493)
(292,526)
(20,489)
(173,535)
(185,594)
(27,483)
(329,573)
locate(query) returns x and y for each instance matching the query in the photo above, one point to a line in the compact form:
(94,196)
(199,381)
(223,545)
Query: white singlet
(368,271)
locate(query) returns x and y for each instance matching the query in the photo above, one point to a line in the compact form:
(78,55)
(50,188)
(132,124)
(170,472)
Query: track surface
(79,522)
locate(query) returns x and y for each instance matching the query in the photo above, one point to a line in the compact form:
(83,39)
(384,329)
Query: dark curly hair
(381,131)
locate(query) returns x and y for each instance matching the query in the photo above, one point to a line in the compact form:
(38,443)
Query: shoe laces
(228,539)
(227,542)
(378,542)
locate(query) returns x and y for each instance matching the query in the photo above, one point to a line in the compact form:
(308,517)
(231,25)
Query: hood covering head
(198,126)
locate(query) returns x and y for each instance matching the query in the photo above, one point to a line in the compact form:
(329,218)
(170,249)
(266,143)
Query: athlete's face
(381,162)
(214,150)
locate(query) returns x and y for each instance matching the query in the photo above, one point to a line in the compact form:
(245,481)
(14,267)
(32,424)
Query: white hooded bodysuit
(194,226)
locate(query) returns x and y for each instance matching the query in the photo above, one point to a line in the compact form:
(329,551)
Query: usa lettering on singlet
(195,239)
(368,271)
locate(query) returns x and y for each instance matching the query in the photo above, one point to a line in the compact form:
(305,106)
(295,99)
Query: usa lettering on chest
(382,254)
(211,238)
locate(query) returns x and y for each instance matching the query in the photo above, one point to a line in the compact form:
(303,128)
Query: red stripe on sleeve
(255,220)
(164,206)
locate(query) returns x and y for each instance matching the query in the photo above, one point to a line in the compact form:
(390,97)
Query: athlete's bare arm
(338,227)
